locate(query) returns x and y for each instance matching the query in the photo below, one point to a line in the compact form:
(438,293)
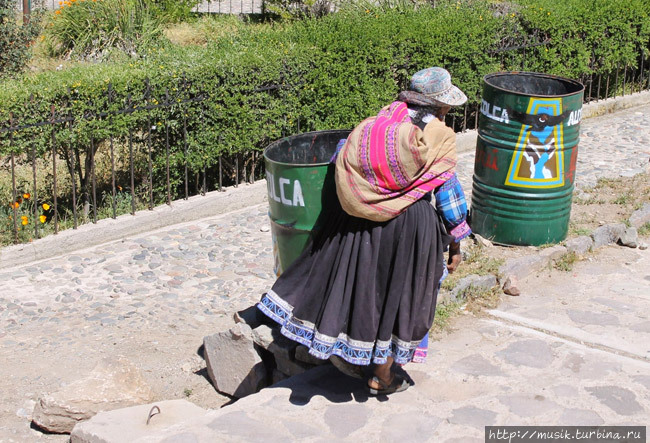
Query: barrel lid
(534,84)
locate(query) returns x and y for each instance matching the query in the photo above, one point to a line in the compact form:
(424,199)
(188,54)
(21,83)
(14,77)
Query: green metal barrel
(300,180)
(526,153)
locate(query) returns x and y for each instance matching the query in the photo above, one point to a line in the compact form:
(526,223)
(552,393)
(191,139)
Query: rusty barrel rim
(271,150)
(491,80)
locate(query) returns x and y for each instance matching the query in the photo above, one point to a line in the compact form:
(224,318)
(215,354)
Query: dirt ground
(610,201)
(168,357)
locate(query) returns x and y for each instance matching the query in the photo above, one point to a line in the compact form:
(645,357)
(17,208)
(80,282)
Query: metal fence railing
(207,6)
(231,7)
(61,185)
(51,185)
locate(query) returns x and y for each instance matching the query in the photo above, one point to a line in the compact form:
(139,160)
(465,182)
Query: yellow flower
(24,219)
(26,195)
(46,207)
(42,218)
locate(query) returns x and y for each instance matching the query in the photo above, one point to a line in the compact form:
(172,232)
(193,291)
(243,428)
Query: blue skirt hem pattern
(323,346)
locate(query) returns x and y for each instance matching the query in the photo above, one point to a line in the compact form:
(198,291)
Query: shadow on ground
(333,385)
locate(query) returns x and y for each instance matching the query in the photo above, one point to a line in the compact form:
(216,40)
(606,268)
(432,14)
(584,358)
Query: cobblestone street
(155,296)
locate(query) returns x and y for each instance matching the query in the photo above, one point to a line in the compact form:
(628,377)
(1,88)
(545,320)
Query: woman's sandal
(398,384)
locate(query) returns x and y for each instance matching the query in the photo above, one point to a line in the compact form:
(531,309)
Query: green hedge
(15,39)
(325,73)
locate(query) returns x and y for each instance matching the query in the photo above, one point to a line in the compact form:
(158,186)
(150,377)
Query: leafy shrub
(15,40)
(258,84)
(587,37)
(89,29)
(173,11)
(332,72)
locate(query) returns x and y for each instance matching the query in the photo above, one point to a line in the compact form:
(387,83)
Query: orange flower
(26,195)
(15,205)
(119,188)
(57,12)
(24,219)
(42,218)
(46,207)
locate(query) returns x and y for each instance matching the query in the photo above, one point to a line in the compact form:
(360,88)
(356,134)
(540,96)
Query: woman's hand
(455,257)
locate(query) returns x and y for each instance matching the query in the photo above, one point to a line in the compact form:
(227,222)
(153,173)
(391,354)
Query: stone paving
(188,272)
(487,372)
(172,286)
(140,297)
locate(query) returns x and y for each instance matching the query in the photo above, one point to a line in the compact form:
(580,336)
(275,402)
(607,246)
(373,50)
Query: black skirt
(363,290)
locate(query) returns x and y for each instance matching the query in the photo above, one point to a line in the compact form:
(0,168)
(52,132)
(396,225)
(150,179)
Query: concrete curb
(108,230)
(214,203)
(518,268)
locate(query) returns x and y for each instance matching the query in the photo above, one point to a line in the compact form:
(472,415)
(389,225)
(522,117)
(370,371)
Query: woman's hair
(423,111)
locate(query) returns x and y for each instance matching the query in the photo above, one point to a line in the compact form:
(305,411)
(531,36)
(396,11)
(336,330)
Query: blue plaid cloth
(339,146)
(451,204)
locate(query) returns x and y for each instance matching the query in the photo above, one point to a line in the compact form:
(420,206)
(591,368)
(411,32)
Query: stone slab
(579,245)
(130,424)
(607,234)
(509,375)
(641,216)
(472,282)
(233,364)
(615,316)
(112,384)
(521,267)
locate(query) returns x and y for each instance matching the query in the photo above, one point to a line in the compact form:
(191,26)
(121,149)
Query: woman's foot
(377,383)
(397,383)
